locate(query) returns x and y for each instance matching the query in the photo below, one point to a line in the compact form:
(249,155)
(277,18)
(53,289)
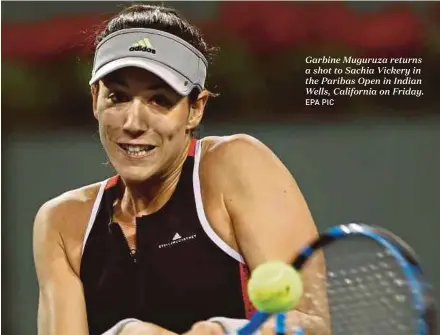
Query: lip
(135,144)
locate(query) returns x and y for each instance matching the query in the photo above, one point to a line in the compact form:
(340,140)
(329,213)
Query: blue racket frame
(410,269)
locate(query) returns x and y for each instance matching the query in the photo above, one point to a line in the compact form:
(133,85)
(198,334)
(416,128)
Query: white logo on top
(177,238)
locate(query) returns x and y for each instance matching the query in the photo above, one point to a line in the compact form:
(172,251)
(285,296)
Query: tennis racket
(374,284)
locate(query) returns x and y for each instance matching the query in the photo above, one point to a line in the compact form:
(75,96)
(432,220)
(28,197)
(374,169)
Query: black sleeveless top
(181,272)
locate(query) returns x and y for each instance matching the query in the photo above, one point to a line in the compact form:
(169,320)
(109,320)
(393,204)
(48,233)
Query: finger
(268,328)
(206,328)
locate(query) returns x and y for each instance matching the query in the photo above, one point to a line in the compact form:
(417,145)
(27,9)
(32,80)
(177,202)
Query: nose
(136,122)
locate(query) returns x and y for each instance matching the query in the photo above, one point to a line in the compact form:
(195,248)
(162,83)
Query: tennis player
(166,245)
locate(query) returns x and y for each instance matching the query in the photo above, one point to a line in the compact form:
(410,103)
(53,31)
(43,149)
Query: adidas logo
(143,45)
(177,239)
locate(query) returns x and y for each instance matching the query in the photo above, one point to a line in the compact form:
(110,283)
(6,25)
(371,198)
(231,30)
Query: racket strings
(367,292)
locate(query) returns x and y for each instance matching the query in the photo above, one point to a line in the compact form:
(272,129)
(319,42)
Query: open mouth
(137,151)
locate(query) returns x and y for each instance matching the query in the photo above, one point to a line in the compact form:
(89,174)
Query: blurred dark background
(370,159)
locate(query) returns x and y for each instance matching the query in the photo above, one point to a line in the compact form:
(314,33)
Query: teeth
(134,149)
(137,150)
(137,153)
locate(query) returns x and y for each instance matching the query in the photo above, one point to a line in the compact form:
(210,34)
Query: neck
(148,197)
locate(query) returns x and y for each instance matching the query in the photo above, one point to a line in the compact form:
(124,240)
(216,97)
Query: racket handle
(280,324)
(298,331)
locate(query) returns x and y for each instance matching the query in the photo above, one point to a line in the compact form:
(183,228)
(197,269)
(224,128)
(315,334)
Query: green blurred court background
(374,159)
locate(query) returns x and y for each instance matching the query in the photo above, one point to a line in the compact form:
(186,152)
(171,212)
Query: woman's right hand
(144,328)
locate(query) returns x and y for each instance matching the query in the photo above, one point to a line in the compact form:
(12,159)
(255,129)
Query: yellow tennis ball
(275,287)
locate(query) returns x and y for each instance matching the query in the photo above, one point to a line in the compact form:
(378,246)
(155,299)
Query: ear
(197,109)
(94,90)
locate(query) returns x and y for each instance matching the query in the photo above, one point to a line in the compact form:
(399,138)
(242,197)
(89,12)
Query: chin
(135,174)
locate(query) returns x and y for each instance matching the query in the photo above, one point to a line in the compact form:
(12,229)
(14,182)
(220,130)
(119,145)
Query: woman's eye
(117,97)
(161,100)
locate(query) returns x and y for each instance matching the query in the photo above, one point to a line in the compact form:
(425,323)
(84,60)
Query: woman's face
(144,124)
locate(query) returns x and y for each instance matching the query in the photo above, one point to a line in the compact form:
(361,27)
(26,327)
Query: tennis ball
(275,287)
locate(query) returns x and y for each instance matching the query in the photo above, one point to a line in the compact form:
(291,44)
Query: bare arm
(61,307)
(272,221)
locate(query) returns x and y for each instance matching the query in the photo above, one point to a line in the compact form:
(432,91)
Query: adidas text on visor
(169,57)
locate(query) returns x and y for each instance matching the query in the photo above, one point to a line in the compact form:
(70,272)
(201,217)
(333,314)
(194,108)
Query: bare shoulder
(236,152)
(220,147)
(56,212)
(62,222)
